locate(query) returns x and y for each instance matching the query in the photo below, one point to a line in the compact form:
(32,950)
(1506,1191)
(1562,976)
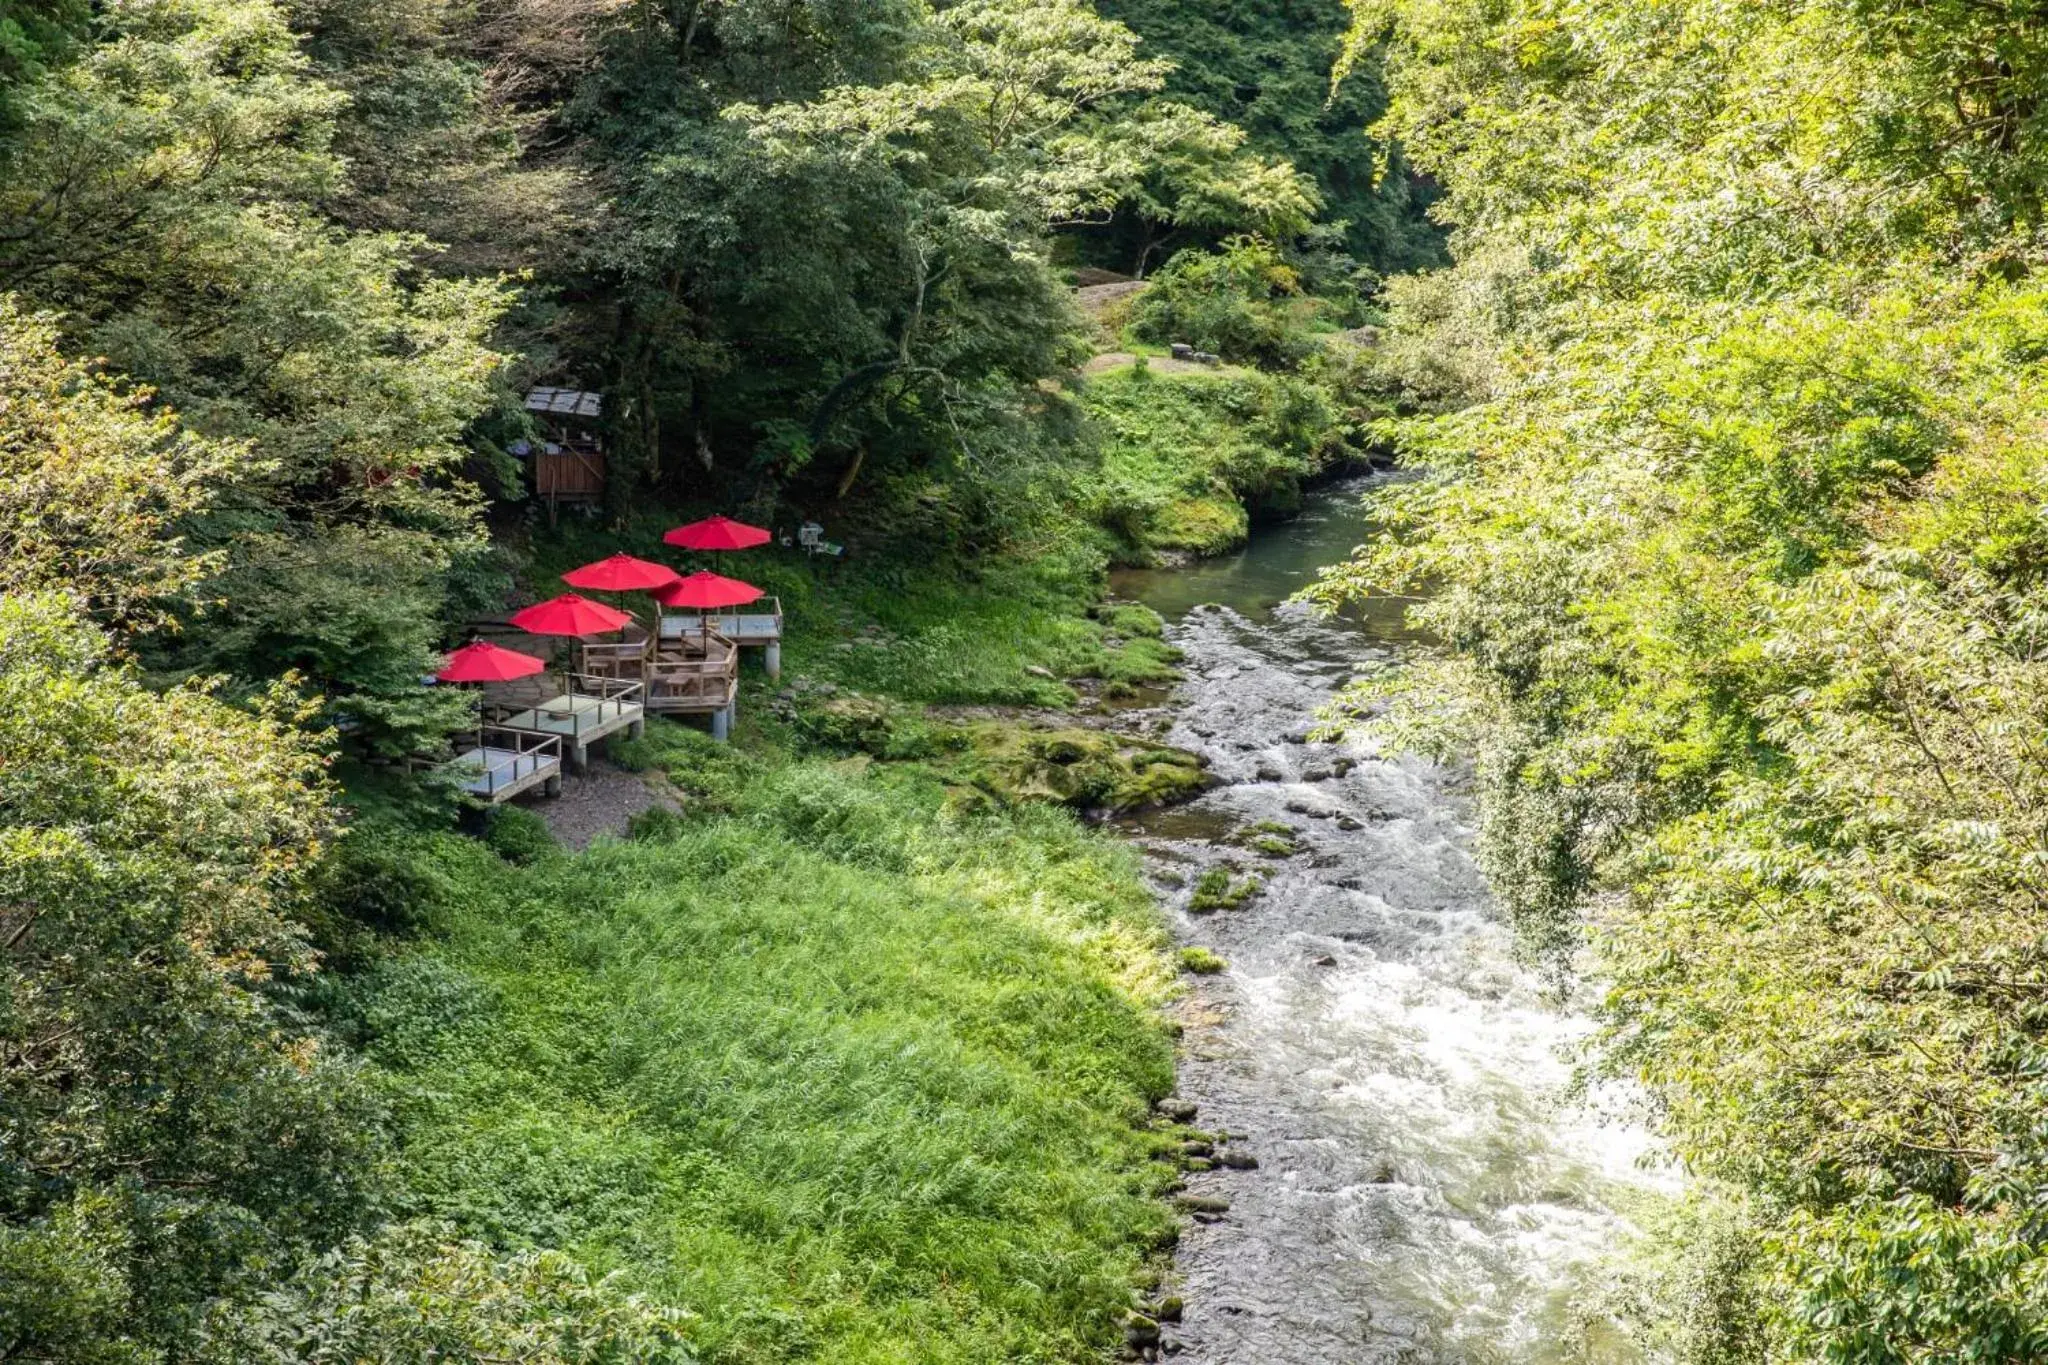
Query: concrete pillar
(772,656)
(553,786)
(638,729)
(579,758)
(721,724)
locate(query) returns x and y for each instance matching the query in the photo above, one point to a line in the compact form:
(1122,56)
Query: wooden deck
(580,710)
(760,630)
(506,764)
(686,676)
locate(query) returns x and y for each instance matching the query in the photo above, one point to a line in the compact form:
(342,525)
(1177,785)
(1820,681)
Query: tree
(92,484)
(169,1125)
(163,197)
(1733,548)
(1265,71)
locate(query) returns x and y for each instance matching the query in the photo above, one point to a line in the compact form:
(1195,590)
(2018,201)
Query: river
(1430,1188)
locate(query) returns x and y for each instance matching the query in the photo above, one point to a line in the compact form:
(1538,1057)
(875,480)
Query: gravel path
(602,800)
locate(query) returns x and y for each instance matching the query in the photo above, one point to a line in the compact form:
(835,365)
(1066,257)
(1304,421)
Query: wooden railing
(744,627)
(615,697)
(630,658)
(523,759)
(692,685)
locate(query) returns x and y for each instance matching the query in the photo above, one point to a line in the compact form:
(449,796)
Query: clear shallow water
(1279,562)
(1429,1190)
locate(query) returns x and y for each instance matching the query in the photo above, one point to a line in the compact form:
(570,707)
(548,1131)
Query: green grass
(1187,459)
(917,627)
(853,1076)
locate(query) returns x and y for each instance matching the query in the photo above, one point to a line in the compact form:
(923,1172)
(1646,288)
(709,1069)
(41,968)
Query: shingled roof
(565,402)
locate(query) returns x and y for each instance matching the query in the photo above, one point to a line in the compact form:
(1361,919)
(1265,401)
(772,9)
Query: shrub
(519,835)
(1235,302)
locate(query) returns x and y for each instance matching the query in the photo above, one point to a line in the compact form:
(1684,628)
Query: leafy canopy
(1732,535)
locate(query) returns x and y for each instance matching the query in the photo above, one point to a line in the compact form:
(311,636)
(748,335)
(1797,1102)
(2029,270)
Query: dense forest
(299,1059)
(1732,514)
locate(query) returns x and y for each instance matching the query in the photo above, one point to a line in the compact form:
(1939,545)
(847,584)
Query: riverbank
(848,1044)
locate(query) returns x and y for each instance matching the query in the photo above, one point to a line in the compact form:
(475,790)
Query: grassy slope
(956,635)
(851,1076)
(851,1070)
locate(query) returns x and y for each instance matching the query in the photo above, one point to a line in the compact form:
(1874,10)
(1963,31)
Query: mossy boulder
(1086,769)
(1217,890)
(1272,839)
(1209,524)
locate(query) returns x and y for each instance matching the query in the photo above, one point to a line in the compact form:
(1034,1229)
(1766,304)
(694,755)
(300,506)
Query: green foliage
(1735,556)
(1266,69)
(519,835)
(416,1293)
(835,1070)
(164,194)
(172,1127)
(1238,302)
(34,35)
(1186,458)
(1202,962)
(91,486)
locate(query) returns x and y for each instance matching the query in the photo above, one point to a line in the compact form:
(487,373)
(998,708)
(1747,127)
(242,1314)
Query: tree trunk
(852,472)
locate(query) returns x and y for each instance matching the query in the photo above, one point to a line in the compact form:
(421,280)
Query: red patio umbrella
(717,533)
(484,662)
(708,592)
(570,615)
(622,573)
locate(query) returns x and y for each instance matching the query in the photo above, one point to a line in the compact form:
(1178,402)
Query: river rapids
(1431,1189)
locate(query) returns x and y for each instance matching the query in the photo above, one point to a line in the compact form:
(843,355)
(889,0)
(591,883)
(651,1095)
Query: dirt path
(602,800)
(1160,364)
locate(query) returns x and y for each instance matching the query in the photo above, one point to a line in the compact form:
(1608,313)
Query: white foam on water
(1432,1189)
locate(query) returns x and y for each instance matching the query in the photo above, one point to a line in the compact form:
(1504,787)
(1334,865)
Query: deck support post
(721,724)
(637,730)
(772,656)
(579,757)
(553,786)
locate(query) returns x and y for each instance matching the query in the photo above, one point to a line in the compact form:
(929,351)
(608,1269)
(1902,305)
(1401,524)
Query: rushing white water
(1430,1187)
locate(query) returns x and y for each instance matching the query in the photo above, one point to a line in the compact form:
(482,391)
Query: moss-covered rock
(1087,769)
(1218,889)
(1272,839)
(1207,524)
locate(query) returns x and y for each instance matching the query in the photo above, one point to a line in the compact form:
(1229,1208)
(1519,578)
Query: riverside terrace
(696,675)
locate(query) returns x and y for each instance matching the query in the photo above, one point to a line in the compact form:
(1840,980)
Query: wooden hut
(569,462)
